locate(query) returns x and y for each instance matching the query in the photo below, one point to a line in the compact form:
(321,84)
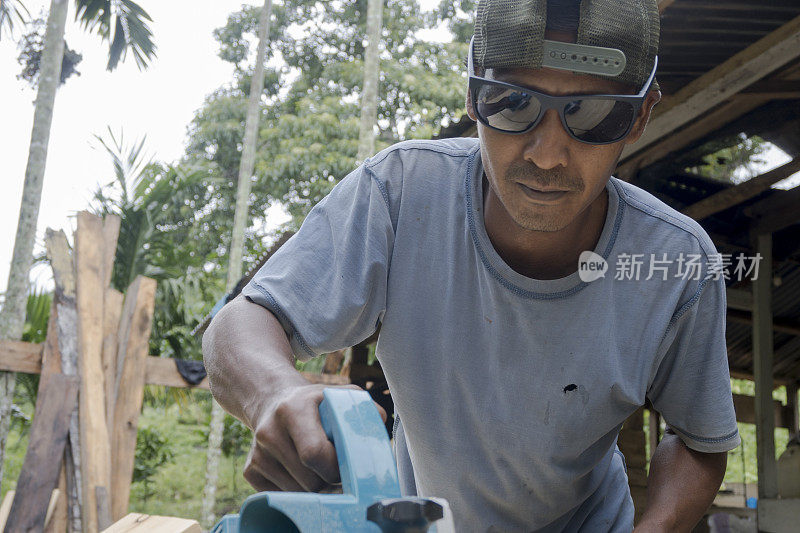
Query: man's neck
(542,254)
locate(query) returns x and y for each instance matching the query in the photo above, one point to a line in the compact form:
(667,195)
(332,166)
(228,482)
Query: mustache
(556,178)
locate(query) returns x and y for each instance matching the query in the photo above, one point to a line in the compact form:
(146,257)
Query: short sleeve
(327,284)
(691,385)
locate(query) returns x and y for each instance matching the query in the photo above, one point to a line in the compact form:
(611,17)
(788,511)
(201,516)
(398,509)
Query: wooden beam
(746,67)
(65,320)
(95,437)
(762,365)
(737,194)
(134,337)
(42,465)
(111,318)
(745,407)
(776,212)
(18,356)
(694,131)
(793,407)
(789,326)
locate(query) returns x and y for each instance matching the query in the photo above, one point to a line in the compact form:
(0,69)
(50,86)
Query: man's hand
(290,450)
(681,486)
(252,375)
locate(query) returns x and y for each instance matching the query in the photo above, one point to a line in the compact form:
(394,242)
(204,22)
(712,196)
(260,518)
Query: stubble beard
(530,216)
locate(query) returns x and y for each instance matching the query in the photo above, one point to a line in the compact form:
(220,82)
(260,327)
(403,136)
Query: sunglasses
(591,118)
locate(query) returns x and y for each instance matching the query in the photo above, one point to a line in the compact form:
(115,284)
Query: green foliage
(731,160)
(310,113)
(30,55)
(123,23)
(11,10)
(152,452)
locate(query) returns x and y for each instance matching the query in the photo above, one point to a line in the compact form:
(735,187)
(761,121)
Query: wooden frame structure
(93,365)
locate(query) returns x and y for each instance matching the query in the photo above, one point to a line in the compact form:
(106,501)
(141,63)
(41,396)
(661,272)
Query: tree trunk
(12,315)
(246,166)
(369,95)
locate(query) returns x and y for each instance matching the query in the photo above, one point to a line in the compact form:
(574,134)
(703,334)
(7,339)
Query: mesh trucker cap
(616,39)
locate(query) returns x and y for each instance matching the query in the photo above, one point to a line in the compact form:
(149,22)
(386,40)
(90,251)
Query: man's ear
(652,98)
(470,110)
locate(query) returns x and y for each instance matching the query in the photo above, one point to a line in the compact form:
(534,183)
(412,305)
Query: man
(511,371)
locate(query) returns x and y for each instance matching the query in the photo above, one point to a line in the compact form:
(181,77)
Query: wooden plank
(94,435)
(40,469)
(113,311)
(746,67)
(745,407)
(18,356)
(110,235)
(136,522)
(57,515)
(103,508)
(58,253)
(737,194)
(66,320)
(55,497)
(762,365)
(5,508)
(134,338)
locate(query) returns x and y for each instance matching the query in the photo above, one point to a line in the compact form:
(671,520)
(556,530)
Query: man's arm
(681,486)
(252,375)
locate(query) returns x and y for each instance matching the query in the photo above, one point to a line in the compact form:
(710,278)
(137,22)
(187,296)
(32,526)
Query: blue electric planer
(370,499)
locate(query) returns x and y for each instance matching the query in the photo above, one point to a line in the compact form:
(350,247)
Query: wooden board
(67,514)
(5,508)
(94,434)
(42,464)
(113,311)
(133,341)
(17,355)
(110,235)
(136,522)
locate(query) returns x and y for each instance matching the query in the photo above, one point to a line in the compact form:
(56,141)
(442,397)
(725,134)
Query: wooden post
(654,425)
(113,311)
(90,294)
(792,404)
(65,334)
(762,365)
(40,470)
(134,336)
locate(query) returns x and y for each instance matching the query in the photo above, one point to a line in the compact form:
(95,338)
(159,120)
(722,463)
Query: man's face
(547,158)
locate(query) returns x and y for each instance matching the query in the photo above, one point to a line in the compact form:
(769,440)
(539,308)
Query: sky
(158,102)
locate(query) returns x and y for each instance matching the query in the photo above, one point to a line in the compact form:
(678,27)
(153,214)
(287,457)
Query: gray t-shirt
(511,390)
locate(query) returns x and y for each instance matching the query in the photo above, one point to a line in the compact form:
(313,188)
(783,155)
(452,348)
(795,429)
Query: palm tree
(369,95)
(246,166)
(124,25)
(10,10)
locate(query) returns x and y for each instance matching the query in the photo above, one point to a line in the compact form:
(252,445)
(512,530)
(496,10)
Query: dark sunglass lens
(505,108)
(599,120)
